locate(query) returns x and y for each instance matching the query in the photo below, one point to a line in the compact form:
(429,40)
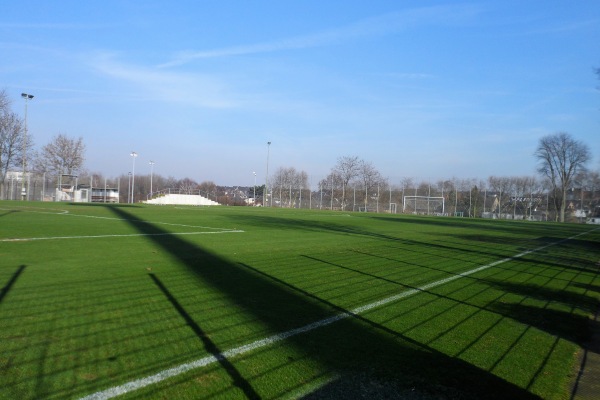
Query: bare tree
(208,188)
(187,186)
(11,146)
(347,169)
(4,102)
(327,187)
(560,158)
(502,186)
(369,178)
(289,182)
(62,155)
(11,141)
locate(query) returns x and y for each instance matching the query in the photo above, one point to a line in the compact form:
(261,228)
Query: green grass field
(142,302)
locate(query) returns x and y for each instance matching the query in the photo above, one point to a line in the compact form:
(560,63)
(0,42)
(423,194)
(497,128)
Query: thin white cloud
(153,84)
(375,26)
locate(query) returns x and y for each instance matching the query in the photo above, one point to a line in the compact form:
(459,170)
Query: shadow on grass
(11,282)
(540,228)
(275,222)
(8,212)
(577,247)
(563,324)
(115,205)
(349,346)
(209,345)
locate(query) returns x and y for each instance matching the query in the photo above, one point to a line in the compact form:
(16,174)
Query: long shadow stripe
(11,282)
(354,346)
(209,345)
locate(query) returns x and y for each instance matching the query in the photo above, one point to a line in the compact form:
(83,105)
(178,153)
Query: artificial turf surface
(96,296)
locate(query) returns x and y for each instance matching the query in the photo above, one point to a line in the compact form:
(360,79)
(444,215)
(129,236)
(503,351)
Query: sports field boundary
(202,362)
(120,236)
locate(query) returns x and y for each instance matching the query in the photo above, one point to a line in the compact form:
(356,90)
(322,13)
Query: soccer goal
(424,205)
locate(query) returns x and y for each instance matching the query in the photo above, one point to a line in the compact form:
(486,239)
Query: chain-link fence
(42,187)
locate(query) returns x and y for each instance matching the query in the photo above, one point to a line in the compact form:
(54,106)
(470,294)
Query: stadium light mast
(133,155)
(265,195)
(27,97)
(254,188)
(129,188)
(151,170)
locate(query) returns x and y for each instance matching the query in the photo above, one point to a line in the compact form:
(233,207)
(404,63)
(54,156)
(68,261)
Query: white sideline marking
(112,236)
(202,362)
(66,212)
(24,209)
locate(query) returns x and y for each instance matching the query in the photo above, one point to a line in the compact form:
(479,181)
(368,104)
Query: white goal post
(424,205)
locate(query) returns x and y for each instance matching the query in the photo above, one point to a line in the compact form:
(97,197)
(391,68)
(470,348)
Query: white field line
(66,212)
(35,210)
(202,362)
(113,236)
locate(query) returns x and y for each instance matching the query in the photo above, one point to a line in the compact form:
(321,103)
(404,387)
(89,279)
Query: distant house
(84,194)
(105,195)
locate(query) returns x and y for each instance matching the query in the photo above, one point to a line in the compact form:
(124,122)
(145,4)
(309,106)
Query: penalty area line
(202,362)
(113,236)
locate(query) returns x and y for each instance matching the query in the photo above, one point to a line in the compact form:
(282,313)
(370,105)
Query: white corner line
(113,236)
(202,362)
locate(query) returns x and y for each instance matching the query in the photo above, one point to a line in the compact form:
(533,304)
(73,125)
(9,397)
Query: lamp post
(254,203)
(265,195)
(151,170)
(27,97)
(129,188)
(133,155)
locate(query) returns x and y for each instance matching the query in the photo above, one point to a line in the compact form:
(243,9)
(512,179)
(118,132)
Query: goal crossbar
(428,204)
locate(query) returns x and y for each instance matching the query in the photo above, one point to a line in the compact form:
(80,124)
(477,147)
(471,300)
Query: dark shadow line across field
(572,260)
(209,345)
(8,212)
(565,325)
(11,282)
(507,226)
(361,347)
(377,326)
(356,271)
(318,226)
(454,301)
(585,374)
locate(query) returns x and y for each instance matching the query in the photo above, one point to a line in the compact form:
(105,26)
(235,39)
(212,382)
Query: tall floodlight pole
(27,97)
(254,188)
(129,188)
(265,195)
(133,155)
(151,170)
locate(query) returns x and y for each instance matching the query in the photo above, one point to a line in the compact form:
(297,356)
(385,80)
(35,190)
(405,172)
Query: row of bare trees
(562,164)
(515,197)
(12,143)
(62,155)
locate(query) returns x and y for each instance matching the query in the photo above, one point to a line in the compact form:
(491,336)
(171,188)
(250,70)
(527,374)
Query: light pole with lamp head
(129,188)
(27,97)
(254,189)
(133,155)
(265,195)
(151,170)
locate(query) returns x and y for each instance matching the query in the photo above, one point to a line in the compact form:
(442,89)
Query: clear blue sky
(422,89)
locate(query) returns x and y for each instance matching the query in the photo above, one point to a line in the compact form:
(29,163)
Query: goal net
(424,205)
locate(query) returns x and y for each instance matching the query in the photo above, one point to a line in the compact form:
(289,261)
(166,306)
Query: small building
(105,195)
(70,190)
